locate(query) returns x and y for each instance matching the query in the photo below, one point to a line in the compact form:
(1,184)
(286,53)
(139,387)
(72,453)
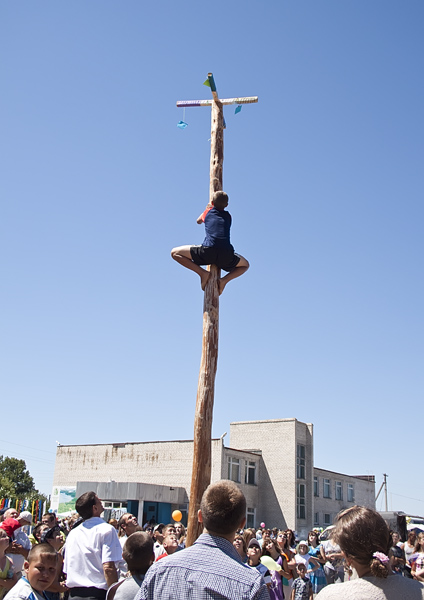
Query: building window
(316,487)
(301,462)
(107,504)
(339,490)
(327,519)
(316,519)
(350,493)
(250,477)
(234,469)
(301,502)
(327,489)
(250,517)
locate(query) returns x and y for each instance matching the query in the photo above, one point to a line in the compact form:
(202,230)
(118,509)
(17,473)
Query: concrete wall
(146,462)
(277,440)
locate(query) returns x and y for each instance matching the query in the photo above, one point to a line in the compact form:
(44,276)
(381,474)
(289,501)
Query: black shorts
(224,258)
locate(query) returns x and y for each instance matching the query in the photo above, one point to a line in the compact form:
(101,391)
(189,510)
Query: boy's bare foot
(204,278)
(221,285)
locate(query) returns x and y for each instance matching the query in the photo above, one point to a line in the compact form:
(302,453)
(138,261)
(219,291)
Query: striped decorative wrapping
(247,100)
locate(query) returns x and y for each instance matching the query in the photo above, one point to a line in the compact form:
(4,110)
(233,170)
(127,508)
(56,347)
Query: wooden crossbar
(225,101)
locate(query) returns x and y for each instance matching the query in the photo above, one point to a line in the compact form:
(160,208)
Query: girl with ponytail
(364,539)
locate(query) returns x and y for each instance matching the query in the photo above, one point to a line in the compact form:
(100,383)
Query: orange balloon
(177,515)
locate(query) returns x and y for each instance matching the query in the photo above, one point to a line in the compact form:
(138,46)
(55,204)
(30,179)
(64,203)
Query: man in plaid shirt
(211,569)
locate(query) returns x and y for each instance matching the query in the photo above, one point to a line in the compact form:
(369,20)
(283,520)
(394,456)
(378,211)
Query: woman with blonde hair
(364,539)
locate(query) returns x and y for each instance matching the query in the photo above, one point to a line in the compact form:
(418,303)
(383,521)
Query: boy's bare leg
(182,255)
(240,269)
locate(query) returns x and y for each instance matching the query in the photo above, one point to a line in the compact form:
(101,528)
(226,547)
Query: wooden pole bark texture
(201,474)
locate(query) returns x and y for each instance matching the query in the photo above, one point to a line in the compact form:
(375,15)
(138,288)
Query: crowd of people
(85,558)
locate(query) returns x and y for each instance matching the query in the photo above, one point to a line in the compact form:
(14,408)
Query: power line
(29,447)
(407,497)
(24,456)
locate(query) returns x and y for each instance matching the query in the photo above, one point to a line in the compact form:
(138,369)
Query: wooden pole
(201,473)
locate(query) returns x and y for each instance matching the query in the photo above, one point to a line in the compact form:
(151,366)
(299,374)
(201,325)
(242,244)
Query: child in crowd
(303,556)
(138,553)
(216,248)
(170,545)
(302,586)
(254,560)
(40,572)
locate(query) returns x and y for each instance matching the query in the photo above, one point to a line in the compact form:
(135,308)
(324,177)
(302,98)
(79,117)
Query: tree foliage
(15,480)
(7,489)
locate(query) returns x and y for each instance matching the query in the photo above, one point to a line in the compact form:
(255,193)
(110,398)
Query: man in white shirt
(91,550)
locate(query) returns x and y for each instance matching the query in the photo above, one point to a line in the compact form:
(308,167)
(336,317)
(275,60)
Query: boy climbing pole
(216,248)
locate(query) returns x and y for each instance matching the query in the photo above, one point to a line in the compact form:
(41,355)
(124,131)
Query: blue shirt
(217,228)
(211,569)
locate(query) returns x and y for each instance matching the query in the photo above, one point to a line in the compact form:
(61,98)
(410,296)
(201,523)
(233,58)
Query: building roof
(370,478)
(123,444)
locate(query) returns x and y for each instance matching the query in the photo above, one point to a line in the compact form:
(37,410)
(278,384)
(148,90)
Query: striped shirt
(211,569)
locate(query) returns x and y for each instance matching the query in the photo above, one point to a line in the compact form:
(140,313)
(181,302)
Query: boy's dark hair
(223,507)
(138,552)
(49,533)
(84,504)
(220,200)
(40,550)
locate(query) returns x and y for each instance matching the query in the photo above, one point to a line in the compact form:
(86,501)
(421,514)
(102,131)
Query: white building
(272,461)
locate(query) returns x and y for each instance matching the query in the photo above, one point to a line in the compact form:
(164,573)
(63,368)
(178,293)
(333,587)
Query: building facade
(271,461)
(334,491)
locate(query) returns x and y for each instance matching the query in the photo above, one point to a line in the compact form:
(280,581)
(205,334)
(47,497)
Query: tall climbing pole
(201,473)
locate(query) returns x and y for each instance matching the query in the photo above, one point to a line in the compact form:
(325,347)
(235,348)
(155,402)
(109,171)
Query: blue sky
(101,330)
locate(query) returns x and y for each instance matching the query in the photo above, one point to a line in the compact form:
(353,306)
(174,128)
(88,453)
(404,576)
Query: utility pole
(384,484)
(201,472)
(385,490)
